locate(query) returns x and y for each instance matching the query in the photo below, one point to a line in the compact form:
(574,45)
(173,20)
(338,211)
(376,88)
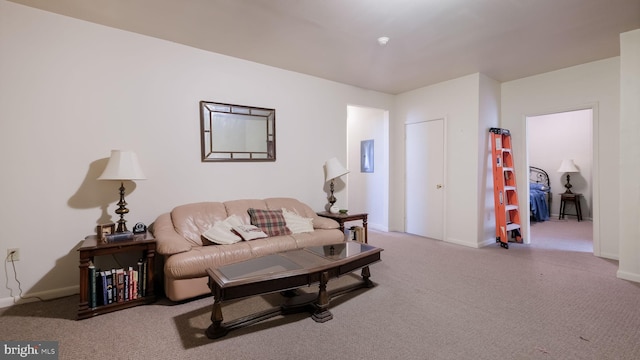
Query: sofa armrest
(320,222)
(169,241)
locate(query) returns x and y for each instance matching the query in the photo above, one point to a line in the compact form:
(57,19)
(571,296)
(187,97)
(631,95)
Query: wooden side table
(91,248)
(342,218)
(570,198)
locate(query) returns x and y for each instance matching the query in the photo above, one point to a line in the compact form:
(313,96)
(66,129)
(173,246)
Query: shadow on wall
(65,265)
(94,193)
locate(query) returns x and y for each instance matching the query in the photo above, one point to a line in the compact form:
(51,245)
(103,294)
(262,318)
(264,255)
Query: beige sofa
(186,256)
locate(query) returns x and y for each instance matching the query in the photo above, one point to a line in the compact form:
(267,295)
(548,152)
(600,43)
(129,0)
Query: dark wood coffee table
(285,272)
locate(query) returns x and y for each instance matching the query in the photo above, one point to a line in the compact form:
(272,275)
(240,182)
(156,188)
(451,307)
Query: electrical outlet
(13,254)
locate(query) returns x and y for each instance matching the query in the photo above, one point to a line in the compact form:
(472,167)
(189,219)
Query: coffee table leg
(322,314)
(366,274)
(216,329)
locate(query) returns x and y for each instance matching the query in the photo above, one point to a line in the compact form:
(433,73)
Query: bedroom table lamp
(568,166)
(122,165)
(333,170)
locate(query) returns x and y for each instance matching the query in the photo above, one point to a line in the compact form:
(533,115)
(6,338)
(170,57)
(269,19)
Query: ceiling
(430,40)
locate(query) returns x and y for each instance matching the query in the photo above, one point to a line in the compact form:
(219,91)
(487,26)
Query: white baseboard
(609,256)
(46,295)
(463,243)
(489,242)
(378,227)
(628,276)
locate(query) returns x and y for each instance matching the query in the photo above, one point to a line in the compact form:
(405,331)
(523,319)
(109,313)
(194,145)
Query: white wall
(489,116)
(567,135)
(369,192)
(458,102)
(592,85)
(629,163)
(71,91)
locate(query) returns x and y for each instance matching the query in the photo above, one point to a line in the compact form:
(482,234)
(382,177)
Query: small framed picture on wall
(366,156)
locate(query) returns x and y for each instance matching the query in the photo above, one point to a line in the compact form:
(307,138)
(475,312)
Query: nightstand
(570,198)
(342,218)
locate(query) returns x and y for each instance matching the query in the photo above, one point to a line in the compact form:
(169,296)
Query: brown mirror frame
(237,132)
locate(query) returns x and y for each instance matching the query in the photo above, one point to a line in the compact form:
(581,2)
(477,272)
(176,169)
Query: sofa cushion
(270,221)
(191,220)
(194,263)
(318,237)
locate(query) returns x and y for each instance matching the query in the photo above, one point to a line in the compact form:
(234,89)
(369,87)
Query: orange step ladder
(505,192)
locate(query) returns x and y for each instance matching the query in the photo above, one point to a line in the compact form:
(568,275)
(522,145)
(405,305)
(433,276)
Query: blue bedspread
(538,200)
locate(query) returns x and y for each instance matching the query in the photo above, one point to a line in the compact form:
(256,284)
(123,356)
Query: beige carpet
(549,300)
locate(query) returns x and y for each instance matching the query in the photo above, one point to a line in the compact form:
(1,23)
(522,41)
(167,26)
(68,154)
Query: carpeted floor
(433,300)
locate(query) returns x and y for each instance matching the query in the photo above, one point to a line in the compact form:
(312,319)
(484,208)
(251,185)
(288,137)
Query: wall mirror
(237,132)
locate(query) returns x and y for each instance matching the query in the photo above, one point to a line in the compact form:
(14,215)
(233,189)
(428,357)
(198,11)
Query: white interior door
(424,196)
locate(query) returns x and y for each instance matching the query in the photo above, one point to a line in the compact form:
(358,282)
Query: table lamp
(122,165)
(333,170)
(568,166)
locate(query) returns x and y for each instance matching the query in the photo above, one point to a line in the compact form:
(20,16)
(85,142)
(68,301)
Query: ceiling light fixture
(383,40)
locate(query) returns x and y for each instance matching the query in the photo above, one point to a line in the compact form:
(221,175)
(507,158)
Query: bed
(539,194)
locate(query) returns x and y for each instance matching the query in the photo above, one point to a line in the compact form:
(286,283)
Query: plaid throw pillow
(270,221)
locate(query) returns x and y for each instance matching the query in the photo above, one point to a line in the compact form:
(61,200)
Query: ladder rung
(511,207)
(500,131)
(510,188)
(507,169)
(513,226)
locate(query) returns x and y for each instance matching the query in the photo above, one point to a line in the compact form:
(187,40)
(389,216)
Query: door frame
(595,168)
(444,172)
(376,221)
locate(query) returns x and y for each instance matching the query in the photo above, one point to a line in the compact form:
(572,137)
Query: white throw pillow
(232,221)
(296,223)
(221,232)
(249,232)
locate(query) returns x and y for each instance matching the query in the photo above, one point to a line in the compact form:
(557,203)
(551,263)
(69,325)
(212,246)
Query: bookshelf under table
(343,218)
(92,247)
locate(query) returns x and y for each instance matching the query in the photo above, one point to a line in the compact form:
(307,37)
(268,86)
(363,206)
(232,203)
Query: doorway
(551,139)
(368,191)
(425,159)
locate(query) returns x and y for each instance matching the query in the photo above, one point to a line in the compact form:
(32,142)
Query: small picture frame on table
(105,229)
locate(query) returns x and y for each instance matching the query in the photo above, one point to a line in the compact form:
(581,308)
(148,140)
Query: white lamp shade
(568,166)
(333,169)
(122,165)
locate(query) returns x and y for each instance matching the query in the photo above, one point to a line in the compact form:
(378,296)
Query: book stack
(357,233)
(121,236)
(117,285)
